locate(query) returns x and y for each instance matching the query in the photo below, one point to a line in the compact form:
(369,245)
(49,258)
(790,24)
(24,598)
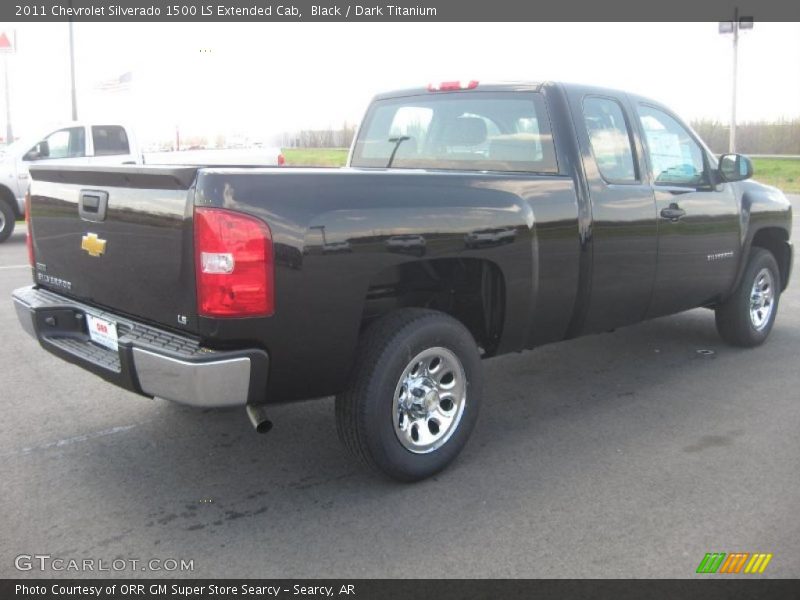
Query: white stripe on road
(69,441)
(3,268)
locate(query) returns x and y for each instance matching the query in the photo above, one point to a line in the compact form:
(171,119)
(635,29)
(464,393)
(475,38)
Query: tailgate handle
(92,205)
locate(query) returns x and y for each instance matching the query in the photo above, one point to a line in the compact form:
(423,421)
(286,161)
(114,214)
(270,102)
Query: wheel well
(774,240)
(6,195)
(468,289)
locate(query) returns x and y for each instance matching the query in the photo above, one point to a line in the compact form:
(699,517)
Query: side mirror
(40,150)
(735,167)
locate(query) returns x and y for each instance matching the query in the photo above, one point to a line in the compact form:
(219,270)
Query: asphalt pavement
(628,454)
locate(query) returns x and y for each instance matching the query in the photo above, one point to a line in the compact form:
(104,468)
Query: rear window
(109,140)
(477,131)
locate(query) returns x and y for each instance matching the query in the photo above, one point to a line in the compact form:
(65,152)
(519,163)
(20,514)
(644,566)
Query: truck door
(64,146)
(698,221)
(623,212)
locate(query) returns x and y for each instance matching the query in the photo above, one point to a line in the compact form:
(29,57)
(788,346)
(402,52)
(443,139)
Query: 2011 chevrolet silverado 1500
(472,220)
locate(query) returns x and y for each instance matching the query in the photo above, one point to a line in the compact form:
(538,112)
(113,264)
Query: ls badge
(93,244)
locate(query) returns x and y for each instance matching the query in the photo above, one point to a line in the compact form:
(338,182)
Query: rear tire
(746,318)
(7,221)
(414,395)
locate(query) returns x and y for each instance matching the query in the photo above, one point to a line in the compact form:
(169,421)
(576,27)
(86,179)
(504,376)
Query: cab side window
(610,139)
(64,143)
(109,140)
(675,157)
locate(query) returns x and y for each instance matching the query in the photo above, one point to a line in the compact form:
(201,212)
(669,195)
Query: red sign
(5,43)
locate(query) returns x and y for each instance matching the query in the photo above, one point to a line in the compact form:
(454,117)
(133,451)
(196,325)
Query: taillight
(449,86)
(29,237)
(281,160)
(234,264)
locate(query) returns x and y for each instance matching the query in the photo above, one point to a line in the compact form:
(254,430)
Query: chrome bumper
(150,361)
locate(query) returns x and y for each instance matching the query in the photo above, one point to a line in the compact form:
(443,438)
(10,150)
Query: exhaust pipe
(258,418)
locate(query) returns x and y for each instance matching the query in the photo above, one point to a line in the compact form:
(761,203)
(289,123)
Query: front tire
(7,221)
(746,318)
(414,396)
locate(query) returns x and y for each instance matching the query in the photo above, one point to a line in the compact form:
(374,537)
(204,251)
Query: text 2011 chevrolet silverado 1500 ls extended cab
(472,220)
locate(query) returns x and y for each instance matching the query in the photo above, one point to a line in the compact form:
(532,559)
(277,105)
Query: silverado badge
(93,244)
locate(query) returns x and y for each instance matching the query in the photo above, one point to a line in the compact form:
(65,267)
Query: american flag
(118,84)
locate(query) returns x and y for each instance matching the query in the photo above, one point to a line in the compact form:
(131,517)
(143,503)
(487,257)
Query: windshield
(479,131)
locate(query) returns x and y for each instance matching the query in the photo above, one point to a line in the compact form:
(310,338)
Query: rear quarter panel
(333,233)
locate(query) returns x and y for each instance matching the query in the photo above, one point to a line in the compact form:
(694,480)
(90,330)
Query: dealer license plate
(103,332)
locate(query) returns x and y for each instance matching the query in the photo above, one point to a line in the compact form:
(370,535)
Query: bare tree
(755,137)
(324,138)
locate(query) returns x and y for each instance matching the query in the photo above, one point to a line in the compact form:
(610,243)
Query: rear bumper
(150,361)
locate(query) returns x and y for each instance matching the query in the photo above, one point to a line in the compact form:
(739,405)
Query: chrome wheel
(2,221)
(429,400)
(762,299)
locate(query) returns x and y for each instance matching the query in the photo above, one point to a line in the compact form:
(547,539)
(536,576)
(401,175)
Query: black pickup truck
(472,220)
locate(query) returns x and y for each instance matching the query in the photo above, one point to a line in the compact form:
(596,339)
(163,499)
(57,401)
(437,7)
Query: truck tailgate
(117,237)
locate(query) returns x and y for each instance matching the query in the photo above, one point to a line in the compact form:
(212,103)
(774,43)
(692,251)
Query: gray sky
(262,78)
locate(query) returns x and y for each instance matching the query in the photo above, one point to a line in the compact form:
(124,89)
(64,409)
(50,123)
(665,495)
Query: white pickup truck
(99,144)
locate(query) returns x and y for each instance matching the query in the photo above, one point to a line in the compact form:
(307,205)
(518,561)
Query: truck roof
(512,86)
(489,86)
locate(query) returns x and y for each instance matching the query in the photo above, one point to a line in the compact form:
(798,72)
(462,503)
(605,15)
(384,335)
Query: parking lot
(628,454)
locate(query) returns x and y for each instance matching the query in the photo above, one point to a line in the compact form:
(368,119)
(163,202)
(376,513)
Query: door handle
(673,212)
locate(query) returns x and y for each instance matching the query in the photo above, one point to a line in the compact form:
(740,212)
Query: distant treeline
(757,137)
(320,138)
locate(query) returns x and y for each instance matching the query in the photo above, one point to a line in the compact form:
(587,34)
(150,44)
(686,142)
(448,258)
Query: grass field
(315,157)
(783,173)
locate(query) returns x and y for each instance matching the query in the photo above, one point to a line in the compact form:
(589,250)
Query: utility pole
(7,46)
(734,27)
(9,130)
(72,68)
(732,138)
